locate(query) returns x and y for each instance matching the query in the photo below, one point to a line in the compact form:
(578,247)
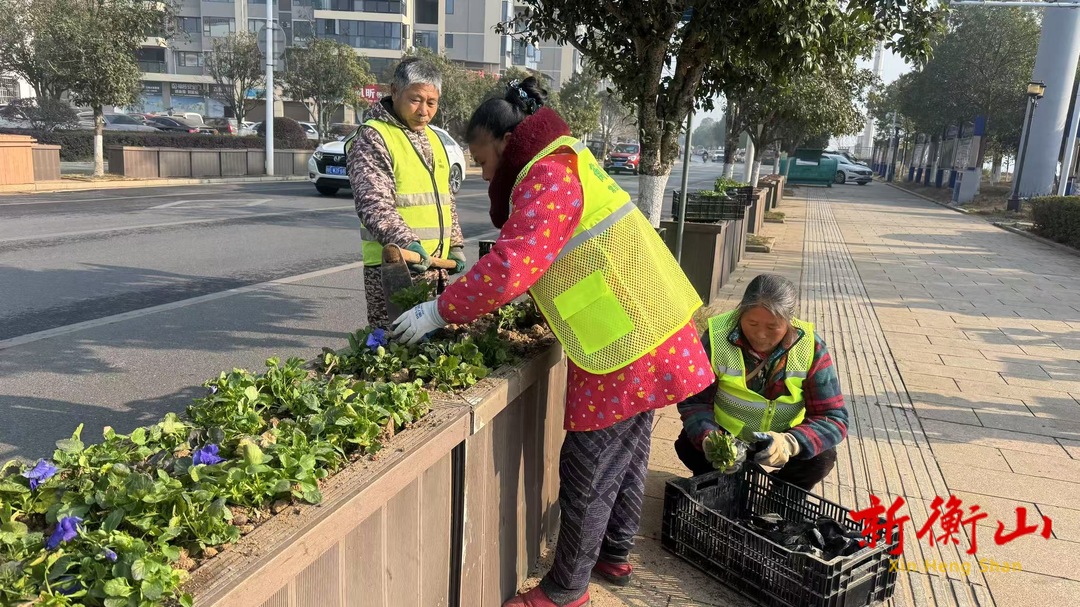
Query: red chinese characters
(879,523)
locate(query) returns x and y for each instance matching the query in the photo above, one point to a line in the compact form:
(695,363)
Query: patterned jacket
(825,424)
(371,174)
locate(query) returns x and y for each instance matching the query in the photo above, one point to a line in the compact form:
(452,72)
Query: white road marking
(214,203)
(108,320)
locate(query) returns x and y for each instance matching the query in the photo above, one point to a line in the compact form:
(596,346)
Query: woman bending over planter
(615,298)
(776,386)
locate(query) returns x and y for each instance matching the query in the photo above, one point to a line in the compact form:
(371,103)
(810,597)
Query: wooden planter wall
(452,513)
(153,163)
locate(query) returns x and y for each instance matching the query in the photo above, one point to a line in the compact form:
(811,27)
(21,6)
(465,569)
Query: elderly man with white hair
(400,177)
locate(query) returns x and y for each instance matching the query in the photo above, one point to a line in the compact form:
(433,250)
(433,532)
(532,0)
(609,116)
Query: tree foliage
(237,64)
(578,103)
(664,56)
(710,134)
(32,45)
(616,118)
(327,75)
(41,114)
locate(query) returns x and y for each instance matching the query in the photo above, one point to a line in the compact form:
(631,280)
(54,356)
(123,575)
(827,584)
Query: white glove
(414,324)
(780,447)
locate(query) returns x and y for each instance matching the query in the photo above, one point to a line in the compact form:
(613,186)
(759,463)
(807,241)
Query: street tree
(710,134)
(578,103)
(99,65)
(237,64)
(32,45)
(666,56)
(616,119)
(327,75)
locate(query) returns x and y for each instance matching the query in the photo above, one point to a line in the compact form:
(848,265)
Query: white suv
(327,165)
(848,170)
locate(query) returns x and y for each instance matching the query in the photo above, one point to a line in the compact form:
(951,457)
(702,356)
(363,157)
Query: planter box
(710,253)
(755,215)
(453,511)
(154,163)
(46,162)
(16,159)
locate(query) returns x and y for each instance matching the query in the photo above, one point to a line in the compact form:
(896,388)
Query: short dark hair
(500,116)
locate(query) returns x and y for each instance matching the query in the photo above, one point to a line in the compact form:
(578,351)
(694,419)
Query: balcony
(155,41)
(153,67)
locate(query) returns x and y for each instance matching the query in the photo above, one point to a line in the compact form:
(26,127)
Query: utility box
(966,186)
(809,167)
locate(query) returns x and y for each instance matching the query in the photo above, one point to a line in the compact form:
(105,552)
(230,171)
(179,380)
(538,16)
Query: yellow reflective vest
(614,293)
(740,410)
(422,196)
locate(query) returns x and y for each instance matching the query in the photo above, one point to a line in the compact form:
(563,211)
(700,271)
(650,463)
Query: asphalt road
(116,305)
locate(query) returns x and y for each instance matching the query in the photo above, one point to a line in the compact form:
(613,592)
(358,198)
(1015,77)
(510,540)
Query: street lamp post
(1035,91)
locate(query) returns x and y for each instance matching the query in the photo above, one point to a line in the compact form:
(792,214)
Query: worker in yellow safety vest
(400,176)
(615,298)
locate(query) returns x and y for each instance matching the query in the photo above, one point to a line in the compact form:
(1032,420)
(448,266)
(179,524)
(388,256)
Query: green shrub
(723,184)
(79,144)
(287,133)
(1057,218)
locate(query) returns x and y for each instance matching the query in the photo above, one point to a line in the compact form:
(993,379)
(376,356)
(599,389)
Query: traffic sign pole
(269,121)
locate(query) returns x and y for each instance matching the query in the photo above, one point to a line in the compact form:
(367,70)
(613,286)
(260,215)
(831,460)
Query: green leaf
(116,602)
(73,445)
(117,587)
(113,520)
(138,570)
(138,436)
(186,600)
(313,496)
(152,589)
(251,393)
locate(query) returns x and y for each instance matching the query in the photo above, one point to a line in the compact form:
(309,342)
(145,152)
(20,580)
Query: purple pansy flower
(66,530)
(376,339)
(206,456)
(41,472)
(212,389)
(109,555)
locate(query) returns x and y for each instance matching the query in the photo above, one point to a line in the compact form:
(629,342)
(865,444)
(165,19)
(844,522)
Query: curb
(928,199)
(76,186)
(1036,238)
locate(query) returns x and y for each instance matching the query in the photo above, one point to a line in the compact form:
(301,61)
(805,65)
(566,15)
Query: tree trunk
(654,171)
(748,164)
(99,141)
(756,173)
(995,168)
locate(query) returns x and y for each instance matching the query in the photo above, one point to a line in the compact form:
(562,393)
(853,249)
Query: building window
(302,30)
(381,6)
(218,27)
(256,1)
(361,34)
(427,12)
(9,90)
(190,59)
(189,25)
(428,40)
(224,1)
(448,41)
(449,7)
(254,25)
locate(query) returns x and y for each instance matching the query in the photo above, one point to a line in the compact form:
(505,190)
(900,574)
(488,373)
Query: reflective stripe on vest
(740,410)
(422,196)
(614,292)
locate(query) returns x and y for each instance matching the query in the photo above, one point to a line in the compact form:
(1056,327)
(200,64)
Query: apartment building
(174,74)
(13,87)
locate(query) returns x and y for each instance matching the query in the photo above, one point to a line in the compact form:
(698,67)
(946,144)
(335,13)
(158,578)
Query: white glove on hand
(782,446)
(414,324)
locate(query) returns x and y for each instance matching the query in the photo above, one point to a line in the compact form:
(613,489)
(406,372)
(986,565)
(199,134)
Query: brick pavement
(958,346)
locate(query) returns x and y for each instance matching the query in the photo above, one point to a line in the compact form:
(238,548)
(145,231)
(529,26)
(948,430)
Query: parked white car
(310,130)
(327,166)
(248,128)
(848,170)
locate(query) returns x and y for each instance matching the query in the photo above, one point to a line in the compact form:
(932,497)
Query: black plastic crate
(711,209)
(701,526)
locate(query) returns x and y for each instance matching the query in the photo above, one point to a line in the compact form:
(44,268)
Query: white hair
(417,71)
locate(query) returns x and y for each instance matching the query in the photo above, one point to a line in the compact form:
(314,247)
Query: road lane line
(108,320)
(110,198)
(169,224)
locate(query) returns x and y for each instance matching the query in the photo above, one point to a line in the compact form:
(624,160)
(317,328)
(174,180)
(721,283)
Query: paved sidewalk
(958,347)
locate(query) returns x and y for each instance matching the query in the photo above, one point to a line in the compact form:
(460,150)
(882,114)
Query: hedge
(79,144)
(1057,218)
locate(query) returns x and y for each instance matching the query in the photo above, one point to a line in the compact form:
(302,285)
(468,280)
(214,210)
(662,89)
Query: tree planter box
(755,216)
(155,163)
(453,511)
(710,253)
(46,162)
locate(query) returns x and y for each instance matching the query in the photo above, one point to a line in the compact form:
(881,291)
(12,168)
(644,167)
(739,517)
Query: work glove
(777,448)
(425,261)
(458,255)
(414,324)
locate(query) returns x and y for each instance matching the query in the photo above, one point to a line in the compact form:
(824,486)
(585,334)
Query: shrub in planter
(288,134)
(1057,218)
(79,144)
(120,523)
(724,184)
